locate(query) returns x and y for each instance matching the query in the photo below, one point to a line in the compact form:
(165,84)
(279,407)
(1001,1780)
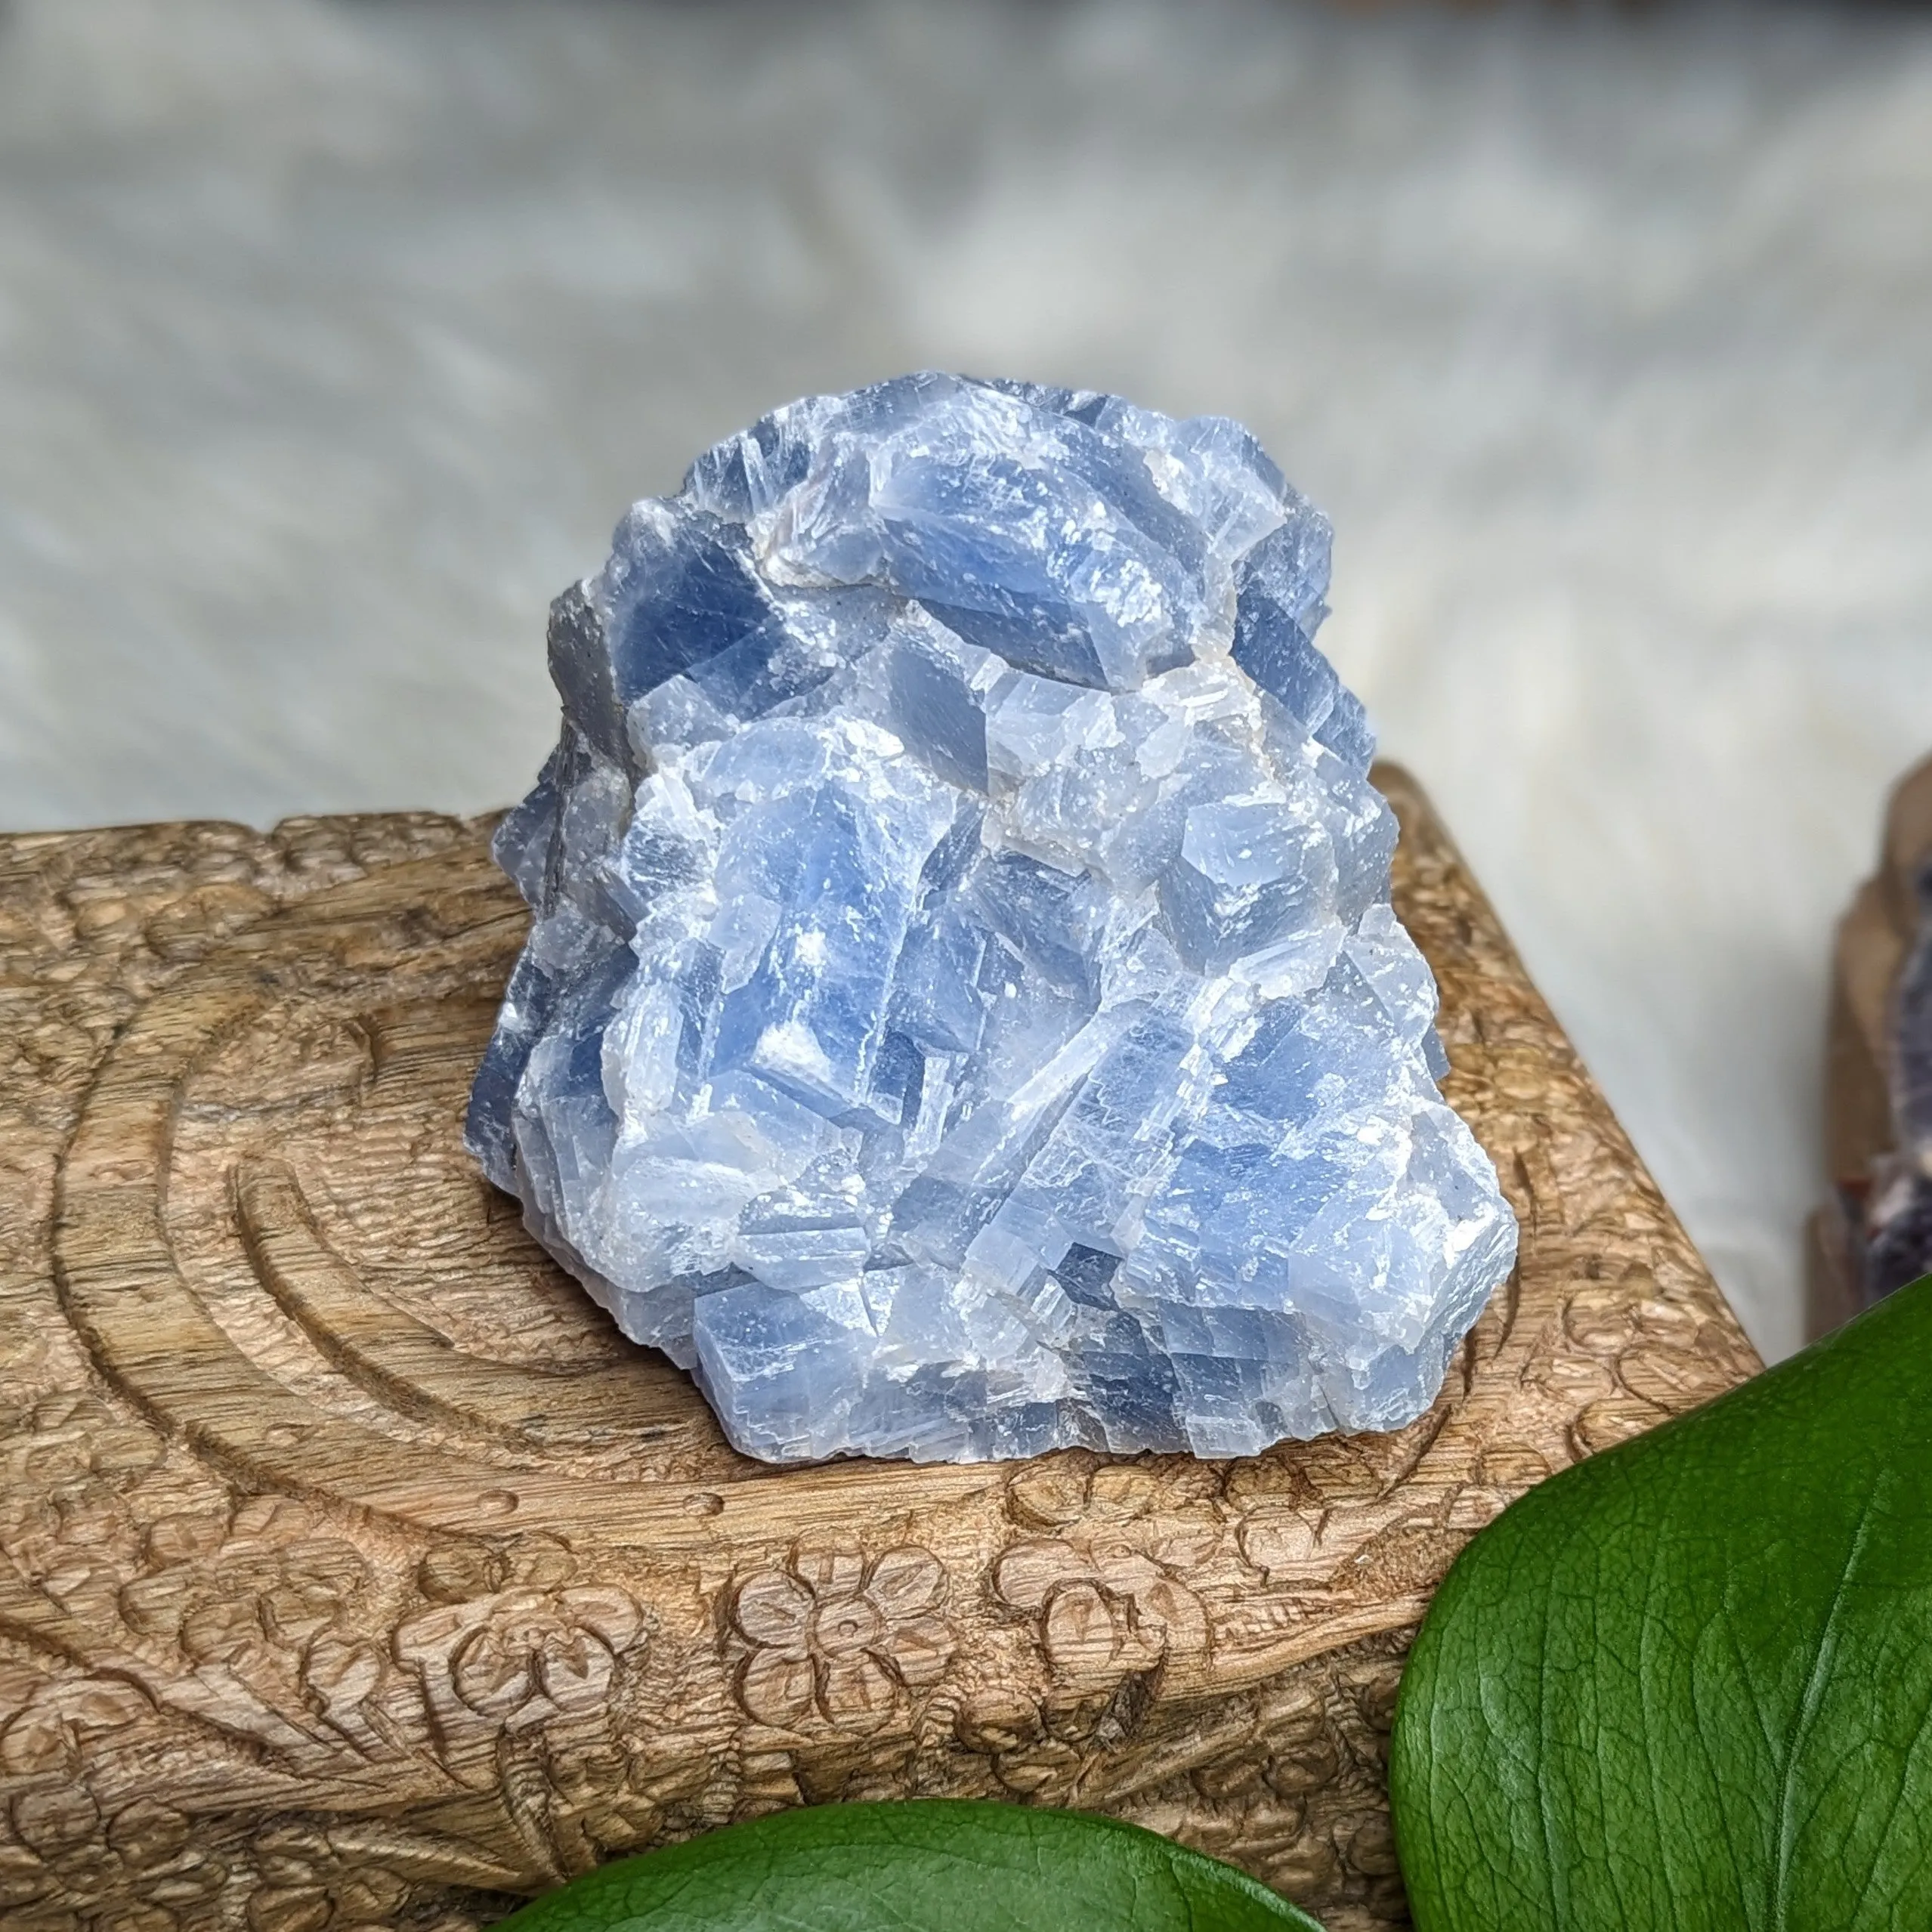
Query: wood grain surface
(356,1574)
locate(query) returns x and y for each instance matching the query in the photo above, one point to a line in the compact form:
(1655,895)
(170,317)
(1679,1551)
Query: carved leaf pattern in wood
(354,1574)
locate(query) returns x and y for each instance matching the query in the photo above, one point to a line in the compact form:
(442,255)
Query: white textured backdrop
(335,334)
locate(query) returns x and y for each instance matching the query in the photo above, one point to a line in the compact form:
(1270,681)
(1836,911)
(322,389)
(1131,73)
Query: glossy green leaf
(1687,1683)
(930,1866)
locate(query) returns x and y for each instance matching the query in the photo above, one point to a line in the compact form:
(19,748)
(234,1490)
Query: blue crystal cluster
(1897,1221)
(963,1016)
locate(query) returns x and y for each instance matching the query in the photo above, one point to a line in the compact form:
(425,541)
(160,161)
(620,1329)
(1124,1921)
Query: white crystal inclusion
(963,1016)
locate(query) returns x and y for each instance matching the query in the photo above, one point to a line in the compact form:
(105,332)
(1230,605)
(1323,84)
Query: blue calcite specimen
(964,1016)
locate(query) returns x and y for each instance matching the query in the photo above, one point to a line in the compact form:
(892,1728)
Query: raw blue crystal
(963,1016)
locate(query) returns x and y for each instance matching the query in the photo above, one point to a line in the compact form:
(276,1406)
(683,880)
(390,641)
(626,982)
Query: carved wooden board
(356,1575)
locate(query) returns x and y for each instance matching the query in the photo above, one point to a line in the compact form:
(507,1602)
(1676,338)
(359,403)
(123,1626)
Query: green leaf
(1686,1684)
(934,1865)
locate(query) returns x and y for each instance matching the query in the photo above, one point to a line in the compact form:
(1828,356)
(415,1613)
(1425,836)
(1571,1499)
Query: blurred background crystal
(1872,1232)
(331,331)
(964,1016)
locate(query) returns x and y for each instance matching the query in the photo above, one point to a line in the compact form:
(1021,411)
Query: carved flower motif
(1108,1591)
(832,1633)
(65,1465)
(307,1885)
(50,1725)
(1662,1358)
(70,1438)
(69,1855)
(526,1655)
(65,1850)
(1341,1519)
(278,1583)
(562,1649)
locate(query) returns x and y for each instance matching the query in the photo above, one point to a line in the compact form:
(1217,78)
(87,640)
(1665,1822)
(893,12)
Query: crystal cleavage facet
(963,1016)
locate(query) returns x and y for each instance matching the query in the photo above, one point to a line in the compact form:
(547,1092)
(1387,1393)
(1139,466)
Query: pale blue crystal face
(964,1016)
